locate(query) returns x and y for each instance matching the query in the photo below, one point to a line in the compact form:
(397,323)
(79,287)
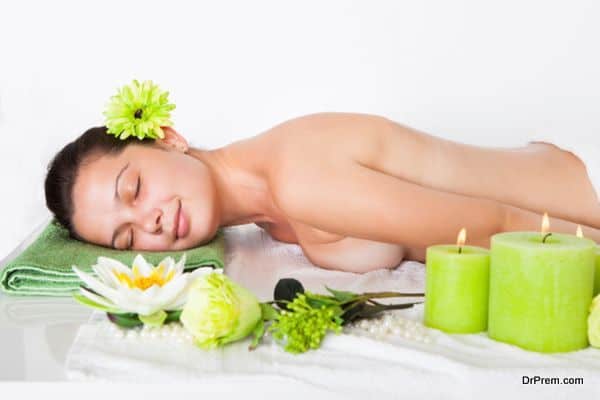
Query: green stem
(391,294)
(399,306)
(380,295)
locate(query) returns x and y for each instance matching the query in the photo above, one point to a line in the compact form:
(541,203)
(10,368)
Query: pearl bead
(396,330)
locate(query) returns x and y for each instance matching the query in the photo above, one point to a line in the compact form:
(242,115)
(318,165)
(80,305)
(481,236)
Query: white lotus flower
(142,289)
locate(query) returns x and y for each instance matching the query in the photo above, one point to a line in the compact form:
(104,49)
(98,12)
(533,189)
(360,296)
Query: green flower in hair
(138,110)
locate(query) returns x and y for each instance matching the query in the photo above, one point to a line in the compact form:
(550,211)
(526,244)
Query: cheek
(202,217)
(202,213)
(150,242)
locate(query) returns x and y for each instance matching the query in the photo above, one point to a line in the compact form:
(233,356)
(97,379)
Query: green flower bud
(218,311)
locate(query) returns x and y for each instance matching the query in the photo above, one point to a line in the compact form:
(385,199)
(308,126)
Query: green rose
(594,322)
(219,311)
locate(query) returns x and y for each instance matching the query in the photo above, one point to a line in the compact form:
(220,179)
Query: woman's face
(131,200)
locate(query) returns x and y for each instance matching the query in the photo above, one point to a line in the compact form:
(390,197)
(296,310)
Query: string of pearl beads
(390,325)
(173,331)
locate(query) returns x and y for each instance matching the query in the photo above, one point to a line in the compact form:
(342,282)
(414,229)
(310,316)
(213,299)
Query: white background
(486,73)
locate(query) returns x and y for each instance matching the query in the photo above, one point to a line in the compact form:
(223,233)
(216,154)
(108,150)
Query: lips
(183,226)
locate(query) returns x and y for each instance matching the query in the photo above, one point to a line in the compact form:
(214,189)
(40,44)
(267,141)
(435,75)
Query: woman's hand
(361,202)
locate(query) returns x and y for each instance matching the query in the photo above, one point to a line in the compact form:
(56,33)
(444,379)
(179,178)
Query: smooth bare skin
(356,191)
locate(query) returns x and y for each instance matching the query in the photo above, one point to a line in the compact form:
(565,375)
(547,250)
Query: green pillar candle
(540,292)
(456,288)
(597,273)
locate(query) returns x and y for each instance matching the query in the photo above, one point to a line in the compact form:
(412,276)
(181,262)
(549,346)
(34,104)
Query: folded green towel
(44,267)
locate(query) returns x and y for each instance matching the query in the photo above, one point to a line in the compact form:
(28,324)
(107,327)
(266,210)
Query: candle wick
(545,236)
(459,249)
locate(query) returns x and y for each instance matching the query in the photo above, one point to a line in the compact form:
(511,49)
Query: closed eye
(139,184)
(137,192)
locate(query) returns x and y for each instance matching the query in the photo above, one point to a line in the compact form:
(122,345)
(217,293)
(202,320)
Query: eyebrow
(116,232)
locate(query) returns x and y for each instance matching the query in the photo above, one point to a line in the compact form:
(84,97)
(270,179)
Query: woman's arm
(360,202)
(518,219)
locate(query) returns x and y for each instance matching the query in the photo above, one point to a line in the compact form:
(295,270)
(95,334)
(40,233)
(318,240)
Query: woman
(357,192)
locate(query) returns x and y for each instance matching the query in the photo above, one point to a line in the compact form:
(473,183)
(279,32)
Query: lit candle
(541,287)
(579,233)
(456,287)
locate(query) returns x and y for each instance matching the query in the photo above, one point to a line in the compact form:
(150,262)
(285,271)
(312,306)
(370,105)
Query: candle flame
(462,237)
(579,232)
(545,224)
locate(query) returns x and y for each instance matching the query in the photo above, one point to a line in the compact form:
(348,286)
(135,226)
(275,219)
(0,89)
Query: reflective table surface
(35,336)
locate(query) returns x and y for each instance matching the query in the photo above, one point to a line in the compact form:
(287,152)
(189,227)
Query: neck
(242,191)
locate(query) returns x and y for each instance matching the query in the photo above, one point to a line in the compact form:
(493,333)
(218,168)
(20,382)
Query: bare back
(320,146)
(309,147)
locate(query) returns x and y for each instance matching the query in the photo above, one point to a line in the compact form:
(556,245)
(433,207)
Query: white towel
(349,365)
(255,259)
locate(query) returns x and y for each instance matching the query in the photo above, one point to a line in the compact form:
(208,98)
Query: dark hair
(63,169)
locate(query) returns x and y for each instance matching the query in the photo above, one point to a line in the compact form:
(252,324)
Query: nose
(153,221)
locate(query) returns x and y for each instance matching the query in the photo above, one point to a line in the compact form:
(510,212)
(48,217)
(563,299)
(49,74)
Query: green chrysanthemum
(138,110)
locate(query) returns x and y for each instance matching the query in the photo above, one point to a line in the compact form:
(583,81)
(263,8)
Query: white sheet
(256,260)
(350,365)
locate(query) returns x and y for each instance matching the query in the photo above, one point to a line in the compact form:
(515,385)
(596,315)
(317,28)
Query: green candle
(597,273)
(579,233)
(456,288)
(540,290)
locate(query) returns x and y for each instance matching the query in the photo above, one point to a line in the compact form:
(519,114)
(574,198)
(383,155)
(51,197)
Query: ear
(172,140)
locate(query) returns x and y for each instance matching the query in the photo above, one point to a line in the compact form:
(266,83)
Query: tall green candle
(456,288)
(579,233)
(540,290)
(597,273)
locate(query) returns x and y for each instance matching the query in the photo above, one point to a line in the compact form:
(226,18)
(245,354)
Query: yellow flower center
(156,277)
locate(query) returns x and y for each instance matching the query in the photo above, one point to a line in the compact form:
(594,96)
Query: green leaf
(128,320)
(258,333)
(360,310)
(90,303)
(320,300)
(173,316)
(156,319)
(341,295)
(269,312)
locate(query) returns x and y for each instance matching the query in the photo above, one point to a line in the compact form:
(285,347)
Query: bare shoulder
(333,119)
(330,136)
(316,147)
